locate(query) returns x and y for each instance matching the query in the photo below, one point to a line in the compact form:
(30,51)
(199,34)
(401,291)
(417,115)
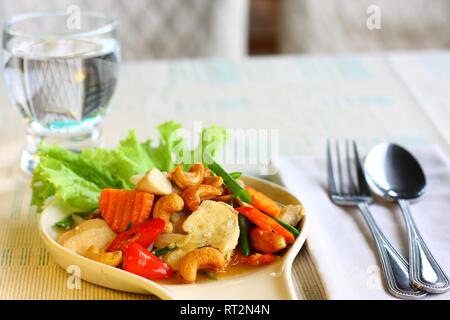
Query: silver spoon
(393,173)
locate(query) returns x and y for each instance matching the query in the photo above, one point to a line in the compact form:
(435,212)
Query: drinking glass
(60,70)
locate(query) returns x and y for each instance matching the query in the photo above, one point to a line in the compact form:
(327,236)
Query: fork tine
(363,188)
(331,184)
(352,184)
(339,165)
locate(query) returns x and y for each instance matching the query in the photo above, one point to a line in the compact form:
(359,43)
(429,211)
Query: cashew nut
(164,208)
(214,181)
(194,195)
(202,258)
(112,259)
(208,173)
(182,179)
(224,198)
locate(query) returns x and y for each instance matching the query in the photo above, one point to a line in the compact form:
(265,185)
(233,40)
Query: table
(400,96)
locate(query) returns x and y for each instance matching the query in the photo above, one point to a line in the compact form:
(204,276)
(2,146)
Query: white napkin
(339,239)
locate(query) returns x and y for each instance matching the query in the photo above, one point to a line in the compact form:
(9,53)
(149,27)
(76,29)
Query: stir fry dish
(172,224)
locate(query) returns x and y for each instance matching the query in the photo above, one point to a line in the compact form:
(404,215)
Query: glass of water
(60,70)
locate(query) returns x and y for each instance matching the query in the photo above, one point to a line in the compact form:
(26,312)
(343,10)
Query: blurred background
(166,29)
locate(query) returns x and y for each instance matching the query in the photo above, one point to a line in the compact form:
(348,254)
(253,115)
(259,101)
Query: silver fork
(356,194)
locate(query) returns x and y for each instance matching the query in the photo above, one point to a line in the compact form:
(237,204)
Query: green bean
(243,235)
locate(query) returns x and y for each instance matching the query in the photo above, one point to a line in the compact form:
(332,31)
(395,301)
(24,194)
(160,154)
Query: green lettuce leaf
(63,183)
(163,154)
(75,180)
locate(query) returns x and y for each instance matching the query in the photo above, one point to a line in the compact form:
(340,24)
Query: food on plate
(138,260)
(263,203)
(292,214)
(194,195)
(214,224)
(121,208)
(202,258)
(266,222)
(194,176)
(139,209)
(112,259)
(153,181)
(165,207)
(93,232)
(266,241)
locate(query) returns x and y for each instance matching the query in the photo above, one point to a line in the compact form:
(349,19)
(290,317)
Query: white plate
(273,281)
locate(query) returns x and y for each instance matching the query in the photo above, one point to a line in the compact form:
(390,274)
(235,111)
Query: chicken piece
(292,214)
(214,224)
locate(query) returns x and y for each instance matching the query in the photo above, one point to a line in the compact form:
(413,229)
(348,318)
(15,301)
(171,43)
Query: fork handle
(395,267)
(425,272)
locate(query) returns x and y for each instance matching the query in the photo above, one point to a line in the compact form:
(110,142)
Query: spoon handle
(425,272)
(395,267)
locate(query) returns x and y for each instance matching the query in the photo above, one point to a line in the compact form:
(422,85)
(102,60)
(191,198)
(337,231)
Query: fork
(348,192)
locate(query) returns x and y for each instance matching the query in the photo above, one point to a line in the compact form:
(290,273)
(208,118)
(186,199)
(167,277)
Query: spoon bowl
(394,173)
(270,282)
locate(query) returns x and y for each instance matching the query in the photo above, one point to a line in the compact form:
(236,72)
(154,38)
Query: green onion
(287,226)
(229,181)
(236,175)
(243,235)
(163,251)
(65,223)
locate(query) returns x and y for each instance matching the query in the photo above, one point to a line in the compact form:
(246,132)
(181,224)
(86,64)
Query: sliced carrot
(137,206)
(262,202)
(147,204)
(120,207)
(265,222)
(128,211)
(119,210)
(105,203)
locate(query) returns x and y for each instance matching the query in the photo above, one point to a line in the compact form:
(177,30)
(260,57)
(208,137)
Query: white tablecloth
(340,241)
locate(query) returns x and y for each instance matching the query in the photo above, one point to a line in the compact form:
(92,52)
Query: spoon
(393,173)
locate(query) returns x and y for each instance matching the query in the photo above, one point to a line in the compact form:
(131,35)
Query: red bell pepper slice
(138,260)
(144,233)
